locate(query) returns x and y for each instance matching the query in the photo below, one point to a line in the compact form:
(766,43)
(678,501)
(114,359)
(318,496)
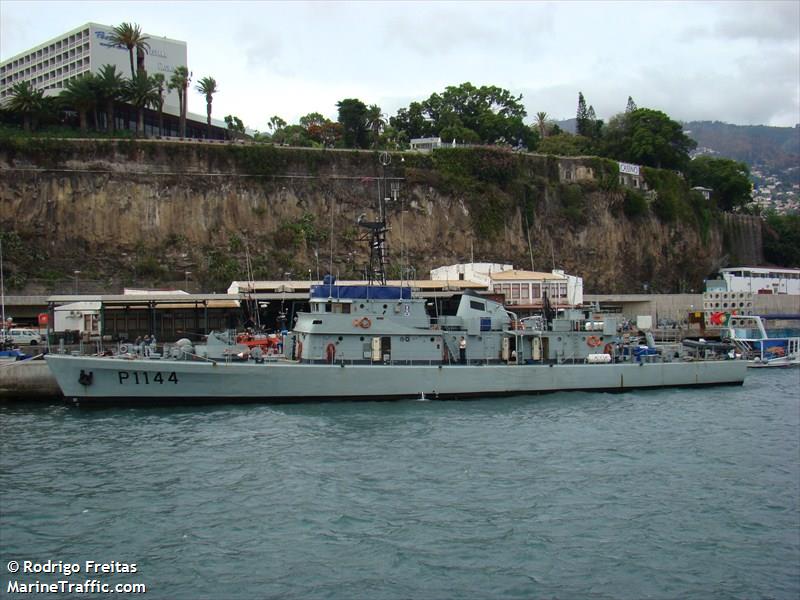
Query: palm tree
(375,121)
(130,36)
(207,86)
(26,101)
(541,121)
(275,123)
(180,82)
(79,94)
(158,78)
(141,91)
(110,86)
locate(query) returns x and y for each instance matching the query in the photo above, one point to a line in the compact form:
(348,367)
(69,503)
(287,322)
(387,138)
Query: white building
(425,144)
(86,49)
(631,176)
(520,288)
(528,288)
(706,192)
(478,272)
(761,280)
(83,317)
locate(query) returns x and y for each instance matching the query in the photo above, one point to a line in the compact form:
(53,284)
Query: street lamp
(76,273)
(186,280)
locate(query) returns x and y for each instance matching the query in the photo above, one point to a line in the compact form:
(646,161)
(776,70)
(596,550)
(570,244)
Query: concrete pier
(28,380)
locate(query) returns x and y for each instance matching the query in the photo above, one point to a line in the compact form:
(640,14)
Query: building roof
(520,275)
(242,287)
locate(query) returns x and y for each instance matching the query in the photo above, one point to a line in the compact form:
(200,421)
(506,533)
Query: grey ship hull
(116,380)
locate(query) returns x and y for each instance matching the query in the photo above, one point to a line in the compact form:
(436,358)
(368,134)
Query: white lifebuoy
(123,349)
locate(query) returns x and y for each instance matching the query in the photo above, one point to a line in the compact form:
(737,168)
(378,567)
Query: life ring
(298,351)
(365,323)
(593,341)
(330,353)
(123,349)
(609,349)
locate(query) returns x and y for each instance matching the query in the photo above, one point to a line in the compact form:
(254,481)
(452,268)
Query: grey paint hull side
(145,380)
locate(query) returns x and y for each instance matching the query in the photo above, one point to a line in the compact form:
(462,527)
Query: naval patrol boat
(378,342)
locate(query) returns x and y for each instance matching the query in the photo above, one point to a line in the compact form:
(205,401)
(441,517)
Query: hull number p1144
(145,378)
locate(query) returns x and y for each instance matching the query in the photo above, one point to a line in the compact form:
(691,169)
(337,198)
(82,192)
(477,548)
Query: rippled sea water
(663,494)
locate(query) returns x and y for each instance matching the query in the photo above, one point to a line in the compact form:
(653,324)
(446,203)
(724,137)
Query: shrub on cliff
(635,204)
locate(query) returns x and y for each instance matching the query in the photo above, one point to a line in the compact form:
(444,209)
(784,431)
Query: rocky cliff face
(143,213)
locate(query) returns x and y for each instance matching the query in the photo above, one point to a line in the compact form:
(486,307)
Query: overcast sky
(737,62)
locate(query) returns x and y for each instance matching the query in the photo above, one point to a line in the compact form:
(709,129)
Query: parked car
(21,336)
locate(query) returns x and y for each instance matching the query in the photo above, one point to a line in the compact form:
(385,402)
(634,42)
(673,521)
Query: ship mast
(376,230)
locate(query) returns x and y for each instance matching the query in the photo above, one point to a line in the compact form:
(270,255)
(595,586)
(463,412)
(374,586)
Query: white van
(20,336)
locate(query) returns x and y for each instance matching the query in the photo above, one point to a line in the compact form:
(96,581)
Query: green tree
(27,102)
(292,135)
(376,121)
(208,87)
(413,122)
(179,82)
(782,239)
(353,118)
(275,124)
(110,86)
(459,134)
(631,106)
(312,119)
(80,95)
(563,144)
(647,137)
(728,179)
(130,36)
(235,126)
(494,113)
(141,92)
(393,139)
(541,123)
(582,121)
(161,83)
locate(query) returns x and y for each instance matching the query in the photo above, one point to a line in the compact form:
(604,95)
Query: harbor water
(659,494)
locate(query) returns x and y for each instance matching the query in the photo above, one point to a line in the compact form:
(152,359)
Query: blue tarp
(361,292)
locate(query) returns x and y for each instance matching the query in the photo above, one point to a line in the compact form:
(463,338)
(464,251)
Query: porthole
(340,338)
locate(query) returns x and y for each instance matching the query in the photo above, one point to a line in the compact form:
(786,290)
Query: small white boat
(750,338)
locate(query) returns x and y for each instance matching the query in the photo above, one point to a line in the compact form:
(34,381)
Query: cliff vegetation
(156,213)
